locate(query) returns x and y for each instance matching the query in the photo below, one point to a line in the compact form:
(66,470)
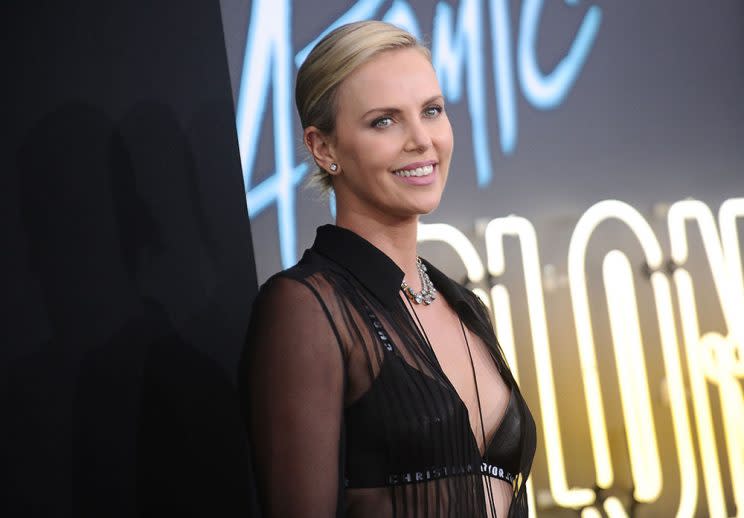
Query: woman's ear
(321,148)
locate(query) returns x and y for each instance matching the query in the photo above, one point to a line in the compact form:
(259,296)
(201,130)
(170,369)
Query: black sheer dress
(351,414)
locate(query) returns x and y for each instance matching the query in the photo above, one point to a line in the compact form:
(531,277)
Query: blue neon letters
(458,54)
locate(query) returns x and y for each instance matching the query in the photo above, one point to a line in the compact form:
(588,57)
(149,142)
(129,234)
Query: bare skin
(390,116)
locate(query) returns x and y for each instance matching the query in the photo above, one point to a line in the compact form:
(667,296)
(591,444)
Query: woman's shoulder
(298,284)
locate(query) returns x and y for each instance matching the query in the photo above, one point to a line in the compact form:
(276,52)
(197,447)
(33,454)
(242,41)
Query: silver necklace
(428,293)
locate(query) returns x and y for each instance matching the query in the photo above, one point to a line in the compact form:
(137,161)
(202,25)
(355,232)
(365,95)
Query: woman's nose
(418,137)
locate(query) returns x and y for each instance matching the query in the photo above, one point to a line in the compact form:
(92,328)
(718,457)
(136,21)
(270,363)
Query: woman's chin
(427,206)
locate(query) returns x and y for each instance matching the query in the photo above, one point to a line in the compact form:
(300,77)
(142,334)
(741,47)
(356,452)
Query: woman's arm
(295,385)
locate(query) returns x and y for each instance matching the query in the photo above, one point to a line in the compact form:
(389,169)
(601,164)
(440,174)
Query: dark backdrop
(128,265)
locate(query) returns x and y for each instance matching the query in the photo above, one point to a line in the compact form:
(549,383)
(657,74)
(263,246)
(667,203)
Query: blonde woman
(375,385)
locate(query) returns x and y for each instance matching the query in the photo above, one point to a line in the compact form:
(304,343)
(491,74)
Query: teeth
(419,171)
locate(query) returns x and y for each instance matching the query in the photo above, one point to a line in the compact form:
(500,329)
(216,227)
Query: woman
(376,385)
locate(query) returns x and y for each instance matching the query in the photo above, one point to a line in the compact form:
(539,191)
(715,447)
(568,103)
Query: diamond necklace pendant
(427,294)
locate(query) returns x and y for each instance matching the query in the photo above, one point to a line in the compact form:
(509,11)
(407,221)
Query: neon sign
(712,359)
(458,53)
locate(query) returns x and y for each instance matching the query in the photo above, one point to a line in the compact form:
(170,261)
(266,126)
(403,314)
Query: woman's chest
(468,365)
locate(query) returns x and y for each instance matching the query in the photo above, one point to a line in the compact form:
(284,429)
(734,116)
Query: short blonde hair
(337,55)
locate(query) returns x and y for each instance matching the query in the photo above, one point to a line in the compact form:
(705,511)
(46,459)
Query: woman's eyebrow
(393,109)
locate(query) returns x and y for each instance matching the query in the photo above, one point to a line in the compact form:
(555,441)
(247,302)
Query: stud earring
(334,167)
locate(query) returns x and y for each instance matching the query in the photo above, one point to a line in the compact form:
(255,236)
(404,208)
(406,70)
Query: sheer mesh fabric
(350,412)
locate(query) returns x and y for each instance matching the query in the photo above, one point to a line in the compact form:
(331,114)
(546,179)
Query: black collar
(374,269)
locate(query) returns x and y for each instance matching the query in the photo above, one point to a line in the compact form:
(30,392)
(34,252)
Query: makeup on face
(394,140)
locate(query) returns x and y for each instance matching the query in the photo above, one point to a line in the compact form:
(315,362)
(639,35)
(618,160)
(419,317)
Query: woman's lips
(422,175)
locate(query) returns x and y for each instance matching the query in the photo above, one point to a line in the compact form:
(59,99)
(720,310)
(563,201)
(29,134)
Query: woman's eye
(382,122)
(433,111)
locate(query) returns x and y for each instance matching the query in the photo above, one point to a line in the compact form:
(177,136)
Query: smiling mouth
(419,171)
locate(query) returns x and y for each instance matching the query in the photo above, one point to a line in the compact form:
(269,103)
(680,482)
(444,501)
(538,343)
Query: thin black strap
(480,414)
(486,480)
(418,322)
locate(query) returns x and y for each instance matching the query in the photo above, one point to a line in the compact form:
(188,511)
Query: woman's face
(393,140)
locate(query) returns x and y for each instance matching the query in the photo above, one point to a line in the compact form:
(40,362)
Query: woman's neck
(397,240)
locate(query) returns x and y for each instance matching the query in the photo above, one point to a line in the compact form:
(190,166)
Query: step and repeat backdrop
(595,203)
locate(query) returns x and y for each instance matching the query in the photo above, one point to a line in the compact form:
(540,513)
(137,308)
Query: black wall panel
(128,268)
